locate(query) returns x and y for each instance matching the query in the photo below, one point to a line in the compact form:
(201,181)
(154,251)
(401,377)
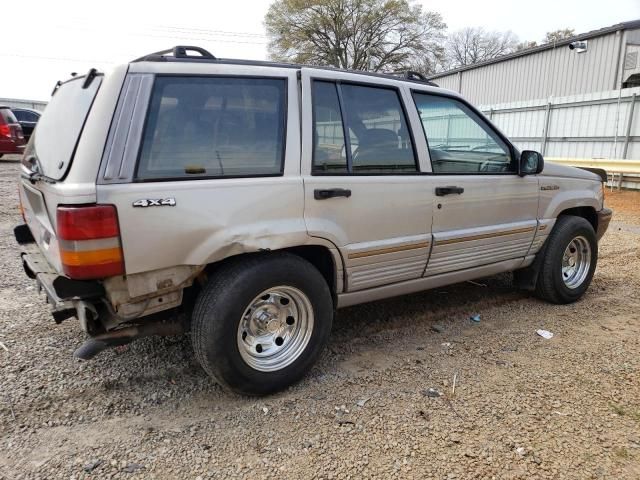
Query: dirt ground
(523,407)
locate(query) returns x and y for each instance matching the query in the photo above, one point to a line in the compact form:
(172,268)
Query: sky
(58,37)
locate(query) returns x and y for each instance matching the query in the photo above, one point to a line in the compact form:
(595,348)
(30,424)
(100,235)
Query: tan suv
(246,201)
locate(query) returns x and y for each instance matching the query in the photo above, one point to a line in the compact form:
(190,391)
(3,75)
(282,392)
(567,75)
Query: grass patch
(625,412)
(622,453)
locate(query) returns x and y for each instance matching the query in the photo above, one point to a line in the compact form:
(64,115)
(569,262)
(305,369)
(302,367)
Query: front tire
(261,322)
(569,261)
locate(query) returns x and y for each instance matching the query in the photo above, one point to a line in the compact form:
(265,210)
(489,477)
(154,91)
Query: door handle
(442,191)
(323,194)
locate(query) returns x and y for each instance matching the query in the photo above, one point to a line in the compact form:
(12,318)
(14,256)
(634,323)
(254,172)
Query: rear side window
(7,116)
(329,153)
(377,136)
(199,127)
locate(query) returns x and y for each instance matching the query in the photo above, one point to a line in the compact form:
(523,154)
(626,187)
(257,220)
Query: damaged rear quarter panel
(211,219)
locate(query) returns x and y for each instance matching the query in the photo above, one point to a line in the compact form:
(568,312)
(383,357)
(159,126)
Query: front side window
(378,139)
(460,142)
(214,127)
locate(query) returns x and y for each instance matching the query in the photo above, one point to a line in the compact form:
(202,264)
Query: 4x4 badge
(151,202)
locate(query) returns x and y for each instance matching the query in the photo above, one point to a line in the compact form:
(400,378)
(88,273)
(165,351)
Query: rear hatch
(49,157)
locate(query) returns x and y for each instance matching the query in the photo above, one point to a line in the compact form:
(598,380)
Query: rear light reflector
(89,239)
(21,206)
(5,130)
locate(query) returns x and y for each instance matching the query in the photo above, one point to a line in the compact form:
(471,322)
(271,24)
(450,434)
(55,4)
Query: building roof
(633,24)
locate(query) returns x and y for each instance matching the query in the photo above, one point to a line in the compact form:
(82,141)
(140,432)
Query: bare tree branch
(474,44)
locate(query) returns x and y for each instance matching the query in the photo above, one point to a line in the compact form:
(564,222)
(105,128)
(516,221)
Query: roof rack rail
(177,52)
(417,76)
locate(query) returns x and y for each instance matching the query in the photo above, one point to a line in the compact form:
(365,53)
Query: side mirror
(531,162)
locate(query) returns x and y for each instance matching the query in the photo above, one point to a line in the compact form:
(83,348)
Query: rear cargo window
(54,140)
(7,116)
(214,127)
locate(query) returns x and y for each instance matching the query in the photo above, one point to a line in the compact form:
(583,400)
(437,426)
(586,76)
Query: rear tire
(261,322)
(569,261)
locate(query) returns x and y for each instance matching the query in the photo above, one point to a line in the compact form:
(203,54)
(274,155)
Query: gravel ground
(523,406)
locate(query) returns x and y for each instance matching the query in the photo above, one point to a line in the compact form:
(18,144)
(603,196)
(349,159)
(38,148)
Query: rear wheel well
(588,213)
(317,255)
(321,258)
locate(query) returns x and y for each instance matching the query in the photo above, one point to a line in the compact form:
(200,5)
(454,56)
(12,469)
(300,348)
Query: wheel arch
(322,255)
(587,212)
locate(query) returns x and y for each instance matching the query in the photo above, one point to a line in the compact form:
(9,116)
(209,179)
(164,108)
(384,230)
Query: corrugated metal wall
(594,125)
(555,72)
(18,103)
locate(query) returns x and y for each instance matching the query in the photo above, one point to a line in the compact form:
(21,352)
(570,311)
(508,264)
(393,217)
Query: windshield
(56,136)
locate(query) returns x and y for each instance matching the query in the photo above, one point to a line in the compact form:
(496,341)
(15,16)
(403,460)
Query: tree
(526,44)
(557,35)
(376,35)
(474,44)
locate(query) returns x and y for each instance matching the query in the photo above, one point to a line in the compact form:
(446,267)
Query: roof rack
(180,53)
(177,52)
(416,77)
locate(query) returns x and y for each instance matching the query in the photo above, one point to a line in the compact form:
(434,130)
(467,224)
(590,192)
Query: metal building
(20,103)
(610,62)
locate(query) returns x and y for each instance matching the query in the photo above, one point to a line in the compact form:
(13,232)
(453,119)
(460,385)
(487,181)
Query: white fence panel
(596,125)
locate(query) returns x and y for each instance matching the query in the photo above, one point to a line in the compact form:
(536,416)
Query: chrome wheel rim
(275,328)
(576,262)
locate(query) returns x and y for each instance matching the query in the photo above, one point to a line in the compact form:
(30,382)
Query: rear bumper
(37,268)
(67,297)
(604,217)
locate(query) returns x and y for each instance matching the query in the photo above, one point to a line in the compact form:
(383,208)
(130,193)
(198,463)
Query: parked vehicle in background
(11,137)
(28,119)
(253,199)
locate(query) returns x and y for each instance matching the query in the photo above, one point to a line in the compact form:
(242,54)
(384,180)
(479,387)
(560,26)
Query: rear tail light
(89,239)
(5,130)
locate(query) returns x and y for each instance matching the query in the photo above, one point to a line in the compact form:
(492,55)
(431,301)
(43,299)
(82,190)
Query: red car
(11,137)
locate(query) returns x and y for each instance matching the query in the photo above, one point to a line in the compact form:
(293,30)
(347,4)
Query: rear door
(50,153)
(364,187)
(484,212)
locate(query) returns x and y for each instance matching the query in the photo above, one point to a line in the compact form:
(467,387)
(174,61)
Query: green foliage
(376,35)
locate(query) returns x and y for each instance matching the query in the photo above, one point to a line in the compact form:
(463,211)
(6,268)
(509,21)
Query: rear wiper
(34,177)
(35,170)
